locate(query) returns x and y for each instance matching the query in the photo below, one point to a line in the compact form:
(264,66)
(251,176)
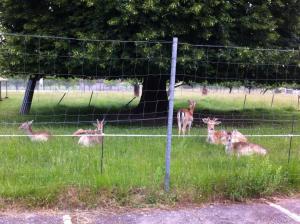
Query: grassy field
(61,173)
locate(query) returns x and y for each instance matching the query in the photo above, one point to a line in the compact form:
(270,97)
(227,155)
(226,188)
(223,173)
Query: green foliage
(261,179)
(250,23)
(238,23)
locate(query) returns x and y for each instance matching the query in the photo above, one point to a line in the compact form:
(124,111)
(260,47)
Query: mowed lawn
(62,173)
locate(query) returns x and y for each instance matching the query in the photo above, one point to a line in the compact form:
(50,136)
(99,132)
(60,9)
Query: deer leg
(179,126)
(190,125)
(184,127)
(179,123)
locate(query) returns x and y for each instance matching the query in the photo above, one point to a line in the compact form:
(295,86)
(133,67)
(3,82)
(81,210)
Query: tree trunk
(27,100)
(136,90)
(154,95)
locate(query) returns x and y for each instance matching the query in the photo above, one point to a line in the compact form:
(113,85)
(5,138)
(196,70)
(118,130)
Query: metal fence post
(291,138)
(245,101)
(170,113)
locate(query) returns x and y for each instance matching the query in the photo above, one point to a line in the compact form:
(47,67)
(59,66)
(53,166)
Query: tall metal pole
(0,92)
(170,113)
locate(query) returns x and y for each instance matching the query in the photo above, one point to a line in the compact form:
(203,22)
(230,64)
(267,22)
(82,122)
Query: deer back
(245,148)
(187,114)
(238,137)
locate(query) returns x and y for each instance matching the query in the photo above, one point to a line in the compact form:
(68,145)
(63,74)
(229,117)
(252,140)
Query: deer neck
(210,136)
(29,131)
(191,111)
(99,132)
(210,131)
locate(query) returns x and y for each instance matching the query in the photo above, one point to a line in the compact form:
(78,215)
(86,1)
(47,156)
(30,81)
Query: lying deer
(185,118)
(90,137)
(242,148)
(40,136)
(219,137)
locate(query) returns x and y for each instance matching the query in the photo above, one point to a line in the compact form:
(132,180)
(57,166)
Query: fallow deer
(185,118)
(219,137)
(242,148)
(40,136)
(90,137)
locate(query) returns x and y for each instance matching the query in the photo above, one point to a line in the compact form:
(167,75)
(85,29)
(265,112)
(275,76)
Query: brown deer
(90,137)
(185,118)
(39,136)
(219,137)
(242,148)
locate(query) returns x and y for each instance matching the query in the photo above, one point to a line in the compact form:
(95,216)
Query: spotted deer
(242,148)
(185,118)
(90,137)
(38,136)
(219,137)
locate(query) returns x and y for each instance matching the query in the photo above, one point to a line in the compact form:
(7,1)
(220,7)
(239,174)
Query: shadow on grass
(124,116)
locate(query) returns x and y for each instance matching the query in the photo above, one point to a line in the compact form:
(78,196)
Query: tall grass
(62,173)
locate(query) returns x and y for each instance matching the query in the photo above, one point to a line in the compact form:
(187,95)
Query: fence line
(158,135)
(80,39)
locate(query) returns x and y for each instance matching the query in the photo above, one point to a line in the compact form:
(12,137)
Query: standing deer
(185,117)
(39,136)
(219,137)
(90,137)
(242,148)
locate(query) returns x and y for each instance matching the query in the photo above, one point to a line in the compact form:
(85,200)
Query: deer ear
(205,120)
(218,122)
(96,125)
(30,122)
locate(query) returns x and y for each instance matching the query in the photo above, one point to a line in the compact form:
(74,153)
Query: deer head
(192,105)
(99,125)
(26,125)
(211,123)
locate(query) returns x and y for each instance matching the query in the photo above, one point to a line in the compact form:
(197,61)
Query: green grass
(61,173)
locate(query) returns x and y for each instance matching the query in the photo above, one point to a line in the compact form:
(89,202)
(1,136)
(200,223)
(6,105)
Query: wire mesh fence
(127,83)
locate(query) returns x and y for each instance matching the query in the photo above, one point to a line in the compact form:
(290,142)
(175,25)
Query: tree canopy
(237,23)
(250,24)
(243,23)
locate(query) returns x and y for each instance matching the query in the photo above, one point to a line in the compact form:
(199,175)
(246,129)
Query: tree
(222,22)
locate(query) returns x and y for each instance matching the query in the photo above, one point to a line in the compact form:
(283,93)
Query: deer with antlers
(242,148)
(90,137)
(185,118)
(38,136)
(219,137)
